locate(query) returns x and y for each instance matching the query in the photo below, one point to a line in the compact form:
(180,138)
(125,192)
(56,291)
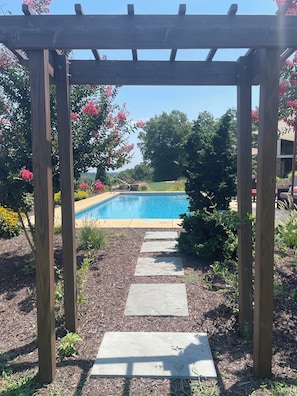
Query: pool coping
(118,223)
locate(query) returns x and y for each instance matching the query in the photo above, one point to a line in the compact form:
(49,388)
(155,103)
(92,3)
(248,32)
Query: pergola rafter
(42,41)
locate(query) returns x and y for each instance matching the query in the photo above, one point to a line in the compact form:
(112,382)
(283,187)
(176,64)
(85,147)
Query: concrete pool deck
(120,223)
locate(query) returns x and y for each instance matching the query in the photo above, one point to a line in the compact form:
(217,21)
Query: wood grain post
(244,187)
(43,206)
(266,174)
(67,190)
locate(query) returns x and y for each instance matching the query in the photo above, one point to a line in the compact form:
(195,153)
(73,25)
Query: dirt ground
(106,290)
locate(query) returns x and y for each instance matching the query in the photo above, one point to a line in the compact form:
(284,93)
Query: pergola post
(244,187)
(43,207)
(266,174)
(67,190)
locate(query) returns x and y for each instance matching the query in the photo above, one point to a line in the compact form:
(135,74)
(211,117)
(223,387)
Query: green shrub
(57,198)
(286,233)
(67,345)
(10,224)
(91,237)
(210,234)
(79,195)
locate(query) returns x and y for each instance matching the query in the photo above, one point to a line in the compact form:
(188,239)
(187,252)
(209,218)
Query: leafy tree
(210,168)
(161,143)
(210,162)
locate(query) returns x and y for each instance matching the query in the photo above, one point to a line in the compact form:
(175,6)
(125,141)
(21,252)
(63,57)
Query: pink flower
(108,90)
(140,124)
(90,109)
(255,116)
(84,186)
(292,103)
(26,175)
(121,116)
(283,88)
(74,116)
(98,186)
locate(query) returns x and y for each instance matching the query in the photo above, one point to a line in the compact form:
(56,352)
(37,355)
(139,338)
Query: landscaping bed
(110,276)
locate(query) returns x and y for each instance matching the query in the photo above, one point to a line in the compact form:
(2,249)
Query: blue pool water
(138,206)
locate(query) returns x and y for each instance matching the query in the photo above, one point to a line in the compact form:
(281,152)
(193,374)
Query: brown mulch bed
(106,290)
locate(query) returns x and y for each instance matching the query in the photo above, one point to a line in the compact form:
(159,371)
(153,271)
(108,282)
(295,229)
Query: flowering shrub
(26,175)
(40,6)
(10,225)
(90,109)
(84,186)
(98,186)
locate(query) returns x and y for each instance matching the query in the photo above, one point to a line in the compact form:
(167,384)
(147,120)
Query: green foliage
(57,198)
(23,384)
(79,195)
(81,278)
(10,225)
(68,345)
(161,144)
(286,233)
(210,162)
(91,237)
(210,234)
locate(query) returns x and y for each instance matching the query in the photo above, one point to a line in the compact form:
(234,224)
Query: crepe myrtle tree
(100,131)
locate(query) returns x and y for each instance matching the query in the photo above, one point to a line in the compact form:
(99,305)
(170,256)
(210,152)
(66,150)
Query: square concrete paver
(160,299)
(157,355)
(153,266)
(159,246)
(160,235)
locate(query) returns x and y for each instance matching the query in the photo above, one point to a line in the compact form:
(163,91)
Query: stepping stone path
(156,354)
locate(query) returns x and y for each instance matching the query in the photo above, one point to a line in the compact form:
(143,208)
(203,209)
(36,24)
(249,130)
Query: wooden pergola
(40,42)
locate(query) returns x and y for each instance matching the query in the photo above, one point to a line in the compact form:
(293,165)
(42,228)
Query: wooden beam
(43,207)
(266,175)
(153,73)
(181,11)
(79,11)
(244,188)
(67,191)
(148,31)
(131,12)
(232,11)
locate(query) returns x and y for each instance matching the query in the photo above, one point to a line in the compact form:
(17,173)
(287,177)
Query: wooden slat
(244,188)
(67,191)
(181,11)
(264,257)
(131,12)
(232,11)
(43,207)
(153,73)
(79,11)
(148,32)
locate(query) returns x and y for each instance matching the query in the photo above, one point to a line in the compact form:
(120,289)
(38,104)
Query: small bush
(210,234)
(79,195)
(286,233)
(10,225)
(57,198)
(67,346)
(91,237)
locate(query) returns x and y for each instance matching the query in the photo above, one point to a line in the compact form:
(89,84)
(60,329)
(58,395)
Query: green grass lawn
(164,186)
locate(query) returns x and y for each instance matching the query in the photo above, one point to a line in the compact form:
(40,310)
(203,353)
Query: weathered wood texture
(264,258)
(153,73)
(43,206)
(244,187)
(67,190)
(148,31)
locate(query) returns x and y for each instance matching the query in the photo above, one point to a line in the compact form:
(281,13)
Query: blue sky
(146,102)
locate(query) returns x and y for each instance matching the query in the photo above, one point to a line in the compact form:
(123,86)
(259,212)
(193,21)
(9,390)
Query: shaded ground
(110,277)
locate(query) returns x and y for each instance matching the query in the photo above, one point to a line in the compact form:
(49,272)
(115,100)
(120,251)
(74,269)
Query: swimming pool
(138,206)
